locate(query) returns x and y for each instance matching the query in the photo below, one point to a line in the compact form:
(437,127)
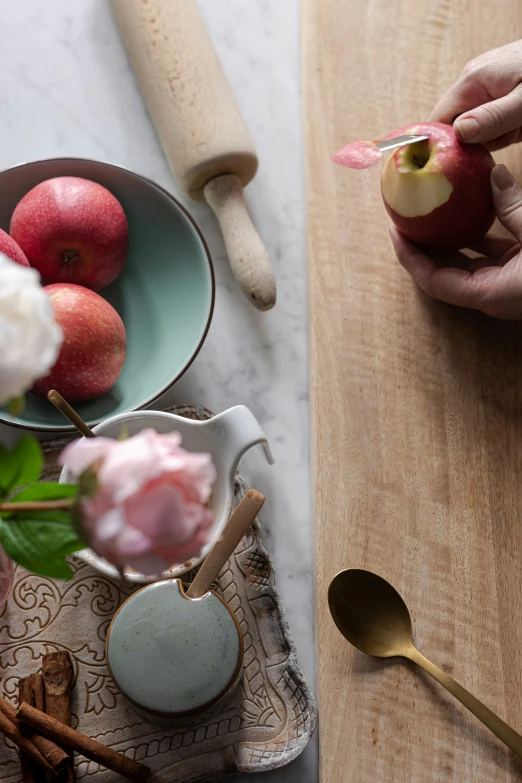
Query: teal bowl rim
(70,428)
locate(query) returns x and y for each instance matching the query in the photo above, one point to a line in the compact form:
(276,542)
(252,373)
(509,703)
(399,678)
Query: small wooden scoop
(69,413)
(233,532)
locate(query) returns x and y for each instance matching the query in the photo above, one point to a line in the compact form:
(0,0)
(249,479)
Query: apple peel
(358,155)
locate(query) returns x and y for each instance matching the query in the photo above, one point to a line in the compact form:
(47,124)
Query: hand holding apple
(437,191)
(491,283)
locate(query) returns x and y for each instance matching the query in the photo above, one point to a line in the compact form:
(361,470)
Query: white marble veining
(66,89)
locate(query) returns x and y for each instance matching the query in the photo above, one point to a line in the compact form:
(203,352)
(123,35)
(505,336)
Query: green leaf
(44,490)
(56,568)
(20,465)
(40,540)
(16,405)
(58,516)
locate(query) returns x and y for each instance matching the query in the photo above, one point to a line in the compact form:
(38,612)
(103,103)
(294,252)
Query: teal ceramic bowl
(165,294)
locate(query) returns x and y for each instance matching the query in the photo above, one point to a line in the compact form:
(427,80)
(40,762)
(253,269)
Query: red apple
(10,249)
(72,230)
(94,345)
(438,191)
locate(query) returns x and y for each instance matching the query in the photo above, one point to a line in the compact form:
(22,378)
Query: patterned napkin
(264,723)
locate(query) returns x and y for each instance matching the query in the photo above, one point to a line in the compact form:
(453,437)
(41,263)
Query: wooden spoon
(69,413)
(371,614)
(233,532)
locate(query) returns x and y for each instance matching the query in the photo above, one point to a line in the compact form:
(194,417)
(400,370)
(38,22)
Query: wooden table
(417,412)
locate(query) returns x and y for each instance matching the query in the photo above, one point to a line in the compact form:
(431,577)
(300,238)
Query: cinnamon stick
(31,772)
(53,754)
(90,748)
(57,676)
(9,729)
(38,692)
(57,673)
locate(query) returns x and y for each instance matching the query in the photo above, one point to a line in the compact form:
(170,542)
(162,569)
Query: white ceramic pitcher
(226,437)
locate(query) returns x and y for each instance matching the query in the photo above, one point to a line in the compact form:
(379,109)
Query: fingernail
(501,177)
(468,129)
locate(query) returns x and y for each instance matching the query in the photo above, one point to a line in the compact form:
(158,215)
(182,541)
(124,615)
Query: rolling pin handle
(248,256)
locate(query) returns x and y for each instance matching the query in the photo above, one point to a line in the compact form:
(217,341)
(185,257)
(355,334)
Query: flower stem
(37,505)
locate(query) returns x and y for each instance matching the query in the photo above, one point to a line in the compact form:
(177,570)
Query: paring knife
(398,141)
(365,154)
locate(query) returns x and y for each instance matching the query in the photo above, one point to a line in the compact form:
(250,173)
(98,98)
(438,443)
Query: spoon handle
(69,413)
(234,530)
(504,732)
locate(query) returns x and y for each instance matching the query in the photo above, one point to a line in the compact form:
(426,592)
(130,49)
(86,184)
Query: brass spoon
(69,413)
(371,614)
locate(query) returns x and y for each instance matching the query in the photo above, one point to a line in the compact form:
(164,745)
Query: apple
(437,192)
(72,230)
(94,345)
(10,249)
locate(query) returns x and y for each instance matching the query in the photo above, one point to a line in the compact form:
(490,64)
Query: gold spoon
(69,413)
(371,614)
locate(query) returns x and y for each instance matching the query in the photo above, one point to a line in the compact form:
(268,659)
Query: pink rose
(149,508)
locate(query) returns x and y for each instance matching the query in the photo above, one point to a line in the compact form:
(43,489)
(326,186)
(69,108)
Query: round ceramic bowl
(165,294)
(226,437)
(171,655)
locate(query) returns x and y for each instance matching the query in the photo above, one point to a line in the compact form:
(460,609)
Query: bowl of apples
(129,277)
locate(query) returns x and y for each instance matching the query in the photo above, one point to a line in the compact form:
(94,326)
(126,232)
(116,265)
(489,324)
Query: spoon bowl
(372,616)
(370,613)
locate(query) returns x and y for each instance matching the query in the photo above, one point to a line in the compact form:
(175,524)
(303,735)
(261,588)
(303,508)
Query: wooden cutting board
(417,414)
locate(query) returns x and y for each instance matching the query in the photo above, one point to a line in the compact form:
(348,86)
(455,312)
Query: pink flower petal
(131,542)
(130,465)
(81,454)
(110,525)
(149,508)
(358,155)
(150,563)
(160,513)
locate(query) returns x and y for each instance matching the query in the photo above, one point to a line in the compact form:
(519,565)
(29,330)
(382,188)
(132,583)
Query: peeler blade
(398,141)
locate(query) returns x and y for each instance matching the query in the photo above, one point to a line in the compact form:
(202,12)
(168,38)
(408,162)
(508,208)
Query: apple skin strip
(358,155)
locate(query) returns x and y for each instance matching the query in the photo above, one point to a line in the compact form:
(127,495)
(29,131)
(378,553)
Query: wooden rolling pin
(199,125)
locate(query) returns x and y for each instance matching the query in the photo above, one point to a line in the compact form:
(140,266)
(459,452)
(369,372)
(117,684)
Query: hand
(487,99)
(491,283)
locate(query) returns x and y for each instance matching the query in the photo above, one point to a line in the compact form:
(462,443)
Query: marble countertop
(66,90)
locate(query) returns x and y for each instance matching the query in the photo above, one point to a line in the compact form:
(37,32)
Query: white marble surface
(66,89)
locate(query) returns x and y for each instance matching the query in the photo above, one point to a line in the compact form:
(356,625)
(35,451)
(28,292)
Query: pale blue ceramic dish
(172,655)
(165,294)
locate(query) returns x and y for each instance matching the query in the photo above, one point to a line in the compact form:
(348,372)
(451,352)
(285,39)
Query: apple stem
(37,505)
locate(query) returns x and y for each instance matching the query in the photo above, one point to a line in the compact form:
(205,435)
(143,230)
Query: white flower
(30,340)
